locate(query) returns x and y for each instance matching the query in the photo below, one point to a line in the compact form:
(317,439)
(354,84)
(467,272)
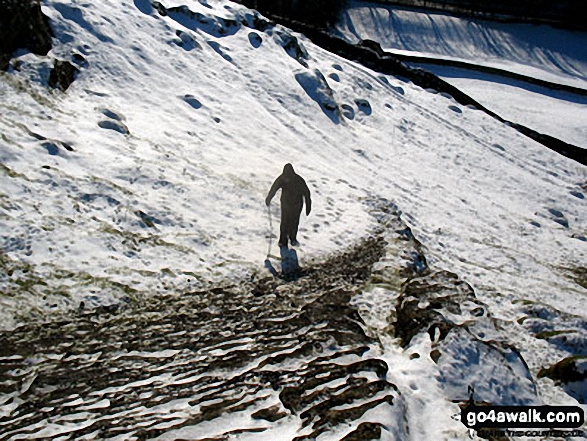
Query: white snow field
(537,51)
(149,175)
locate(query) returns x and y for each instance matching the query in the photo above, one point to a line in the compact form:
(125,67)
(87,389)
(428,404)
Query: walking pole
(267,261)
(271,236)
(270,231)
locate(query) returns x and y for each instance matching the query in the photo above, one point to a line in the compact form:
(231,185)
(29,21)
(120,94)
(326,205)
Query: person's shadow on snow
(290,267)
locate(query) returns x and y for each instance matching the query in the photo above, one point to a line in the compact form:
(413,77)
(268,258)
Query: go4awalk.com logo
(527,417)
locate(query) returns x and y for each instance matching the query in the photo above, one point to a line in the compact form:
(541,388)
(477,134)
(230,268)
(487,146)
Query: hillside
(526,73)
(134,225)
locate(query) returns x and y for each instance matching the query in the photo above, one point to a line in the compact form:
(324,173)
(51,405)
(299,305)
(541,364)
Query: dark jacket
(294,191)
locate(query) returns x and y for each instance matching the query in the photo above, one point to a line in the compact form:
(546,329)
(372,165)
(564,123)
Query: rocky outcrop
(437,317)
(22,26)
(62,75)
(466,343)
(571,374)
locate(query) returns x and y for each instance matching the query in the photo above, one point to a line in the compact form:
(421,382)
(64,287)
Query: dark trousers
(290,219)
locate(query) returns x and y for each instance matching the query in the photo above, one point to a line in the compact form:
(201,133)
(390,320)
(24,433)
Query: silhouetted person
(293,193)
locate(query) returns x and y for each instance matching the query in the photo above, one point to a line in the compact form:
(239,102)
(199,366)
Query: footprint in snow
(563,222)
(11,244)
(192,101)
(364,106)
(364,84)
(187,42)
(114,123)
(117,126)
(559,217)
(92,198)
(335,77)
(53,147)
(112,115)
(255,39)
(398,89)
(361,153)
(220,50)
(347,111)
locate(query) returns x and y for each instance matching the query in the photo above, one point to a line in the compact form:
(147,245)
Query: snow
(536,51)
(178,127)
(540,51)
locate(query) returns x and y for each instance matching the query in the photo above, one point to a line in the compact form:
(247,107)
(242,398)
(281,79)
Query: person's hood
(288,169)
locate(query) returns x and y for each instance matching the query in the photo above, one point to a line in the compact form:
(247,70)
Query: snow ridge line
(489,70)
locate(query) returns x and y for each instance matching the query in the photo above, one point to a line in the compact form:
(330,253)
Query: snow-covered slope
(149,174)
(537,51)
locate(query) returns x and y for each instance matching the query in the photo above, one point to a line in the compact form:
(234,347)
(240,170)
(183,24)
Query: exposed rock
(195,21)
(466,345)
(23,26)
(571,373)
(62,75)
(580,276)
(365,432)
(271,414)
(268,349)
(423,300)
(292,46)
(566,370)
